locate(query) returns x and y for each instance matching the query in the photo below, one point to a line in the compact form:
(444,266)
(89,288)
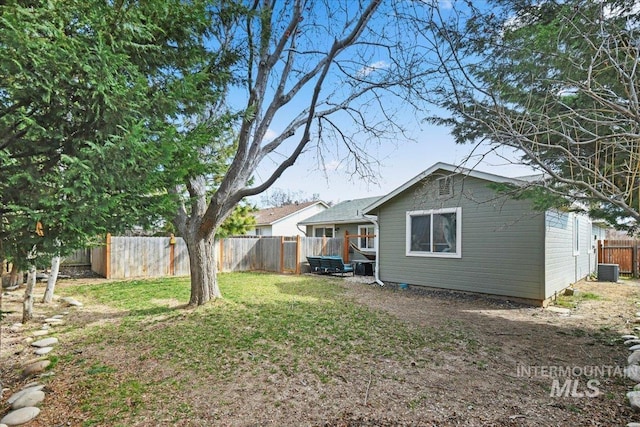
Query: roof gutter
(374,220)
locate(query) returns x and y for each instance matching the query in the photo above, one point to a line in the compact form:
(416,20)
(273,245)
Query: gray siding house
(446,228)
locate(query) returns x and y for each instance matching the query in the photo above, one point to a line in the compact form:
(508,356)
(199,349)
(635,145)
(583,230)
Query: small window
(367,237)
(445,187)
(434,233)
(323,231)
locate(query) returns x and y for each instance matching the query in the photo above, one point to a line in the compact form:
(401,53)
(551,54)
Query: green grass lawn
(282,324)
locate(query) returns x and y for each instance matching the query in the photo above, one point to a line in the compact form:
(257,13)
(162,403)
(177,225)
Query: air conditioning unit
(608,272)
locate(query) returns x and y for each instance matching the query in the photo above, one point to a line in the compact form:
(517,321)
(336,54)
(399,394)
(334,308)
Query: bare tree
(323,75)
(558,81)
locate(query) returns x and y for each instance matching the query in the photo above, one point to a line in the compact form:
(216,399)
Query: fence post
(281,254)
(107,257)
(172,255)
(324,246)
(345,246)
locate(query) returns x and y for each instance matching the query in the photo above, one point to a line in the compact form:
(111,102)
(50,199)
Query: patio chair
(337,265)
(325,264)
(314,263)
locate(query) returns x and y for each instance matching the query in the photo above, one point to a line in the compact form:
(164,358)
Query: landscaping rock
(632,348)
(632,342)
(43,350)
(71,301)
(47,342)
(633,425)
(20,416)
(633,373)
(36,368)
(634,358)
(53,320)
(559,310)
(40,332)
(22,392)
(629,337)
(33,398)
(636,387)
(57,316)
(3,425)
(634,399)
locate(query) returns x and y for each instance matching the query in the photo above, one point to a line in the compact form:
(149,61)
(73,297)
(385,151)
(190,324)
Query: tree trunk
(15,277)
(51,281)
(203,268)
(27,304)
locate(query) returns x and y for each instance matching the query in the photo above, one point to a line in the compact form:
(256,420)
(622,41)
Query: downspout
(374,220)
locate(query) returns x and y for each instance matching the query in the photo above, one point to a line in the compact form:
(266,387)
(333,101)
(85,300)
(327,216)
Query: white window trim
(364,232)
(456,254)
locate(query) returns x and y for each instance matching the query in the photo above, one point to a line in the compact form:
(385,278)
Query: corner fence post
(107,257)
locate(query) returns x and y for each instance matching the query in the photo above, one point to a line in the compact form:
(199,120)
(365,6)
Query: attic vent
(445,187)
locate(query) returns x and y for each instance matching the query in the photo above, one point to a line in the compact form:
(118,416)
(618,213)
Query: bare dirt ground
(486,377)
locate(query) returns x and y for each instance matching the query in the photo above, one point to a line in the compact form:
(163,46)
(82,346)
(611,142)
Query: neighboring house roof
(448,168)
(349,211)
(270,216)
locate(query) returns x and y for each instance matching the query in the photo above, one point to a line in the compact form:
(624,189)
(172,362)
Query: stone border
(24,404)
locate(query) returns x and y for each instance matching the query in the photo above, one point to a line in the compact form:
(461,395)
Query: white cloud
(269,135)
(365,71)
(333,165)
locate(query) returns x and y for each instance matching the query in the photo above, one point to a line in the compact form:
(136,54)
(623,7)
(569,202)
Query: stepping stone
(634,358)
(629,337)
(43,350)
(40,332)
(632,348)
(71,301)
(53,320)
(33,398)
(36,368)
(57,316)
(633,425)
(20,416)
(45,342)
(22,392)
(631,342)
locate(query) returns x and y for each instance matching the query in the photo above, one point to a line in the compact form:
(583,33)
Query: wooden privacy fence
(127,257)
(625,253)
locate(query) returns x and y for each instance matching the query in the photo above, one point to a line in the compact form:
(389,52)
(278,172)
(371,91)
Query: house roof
(270,216)
(448,168)
(349,211)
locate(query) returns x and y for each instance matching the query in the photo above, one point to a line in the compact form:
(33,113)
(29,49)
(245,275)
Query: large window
(367,237)
(434,233)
